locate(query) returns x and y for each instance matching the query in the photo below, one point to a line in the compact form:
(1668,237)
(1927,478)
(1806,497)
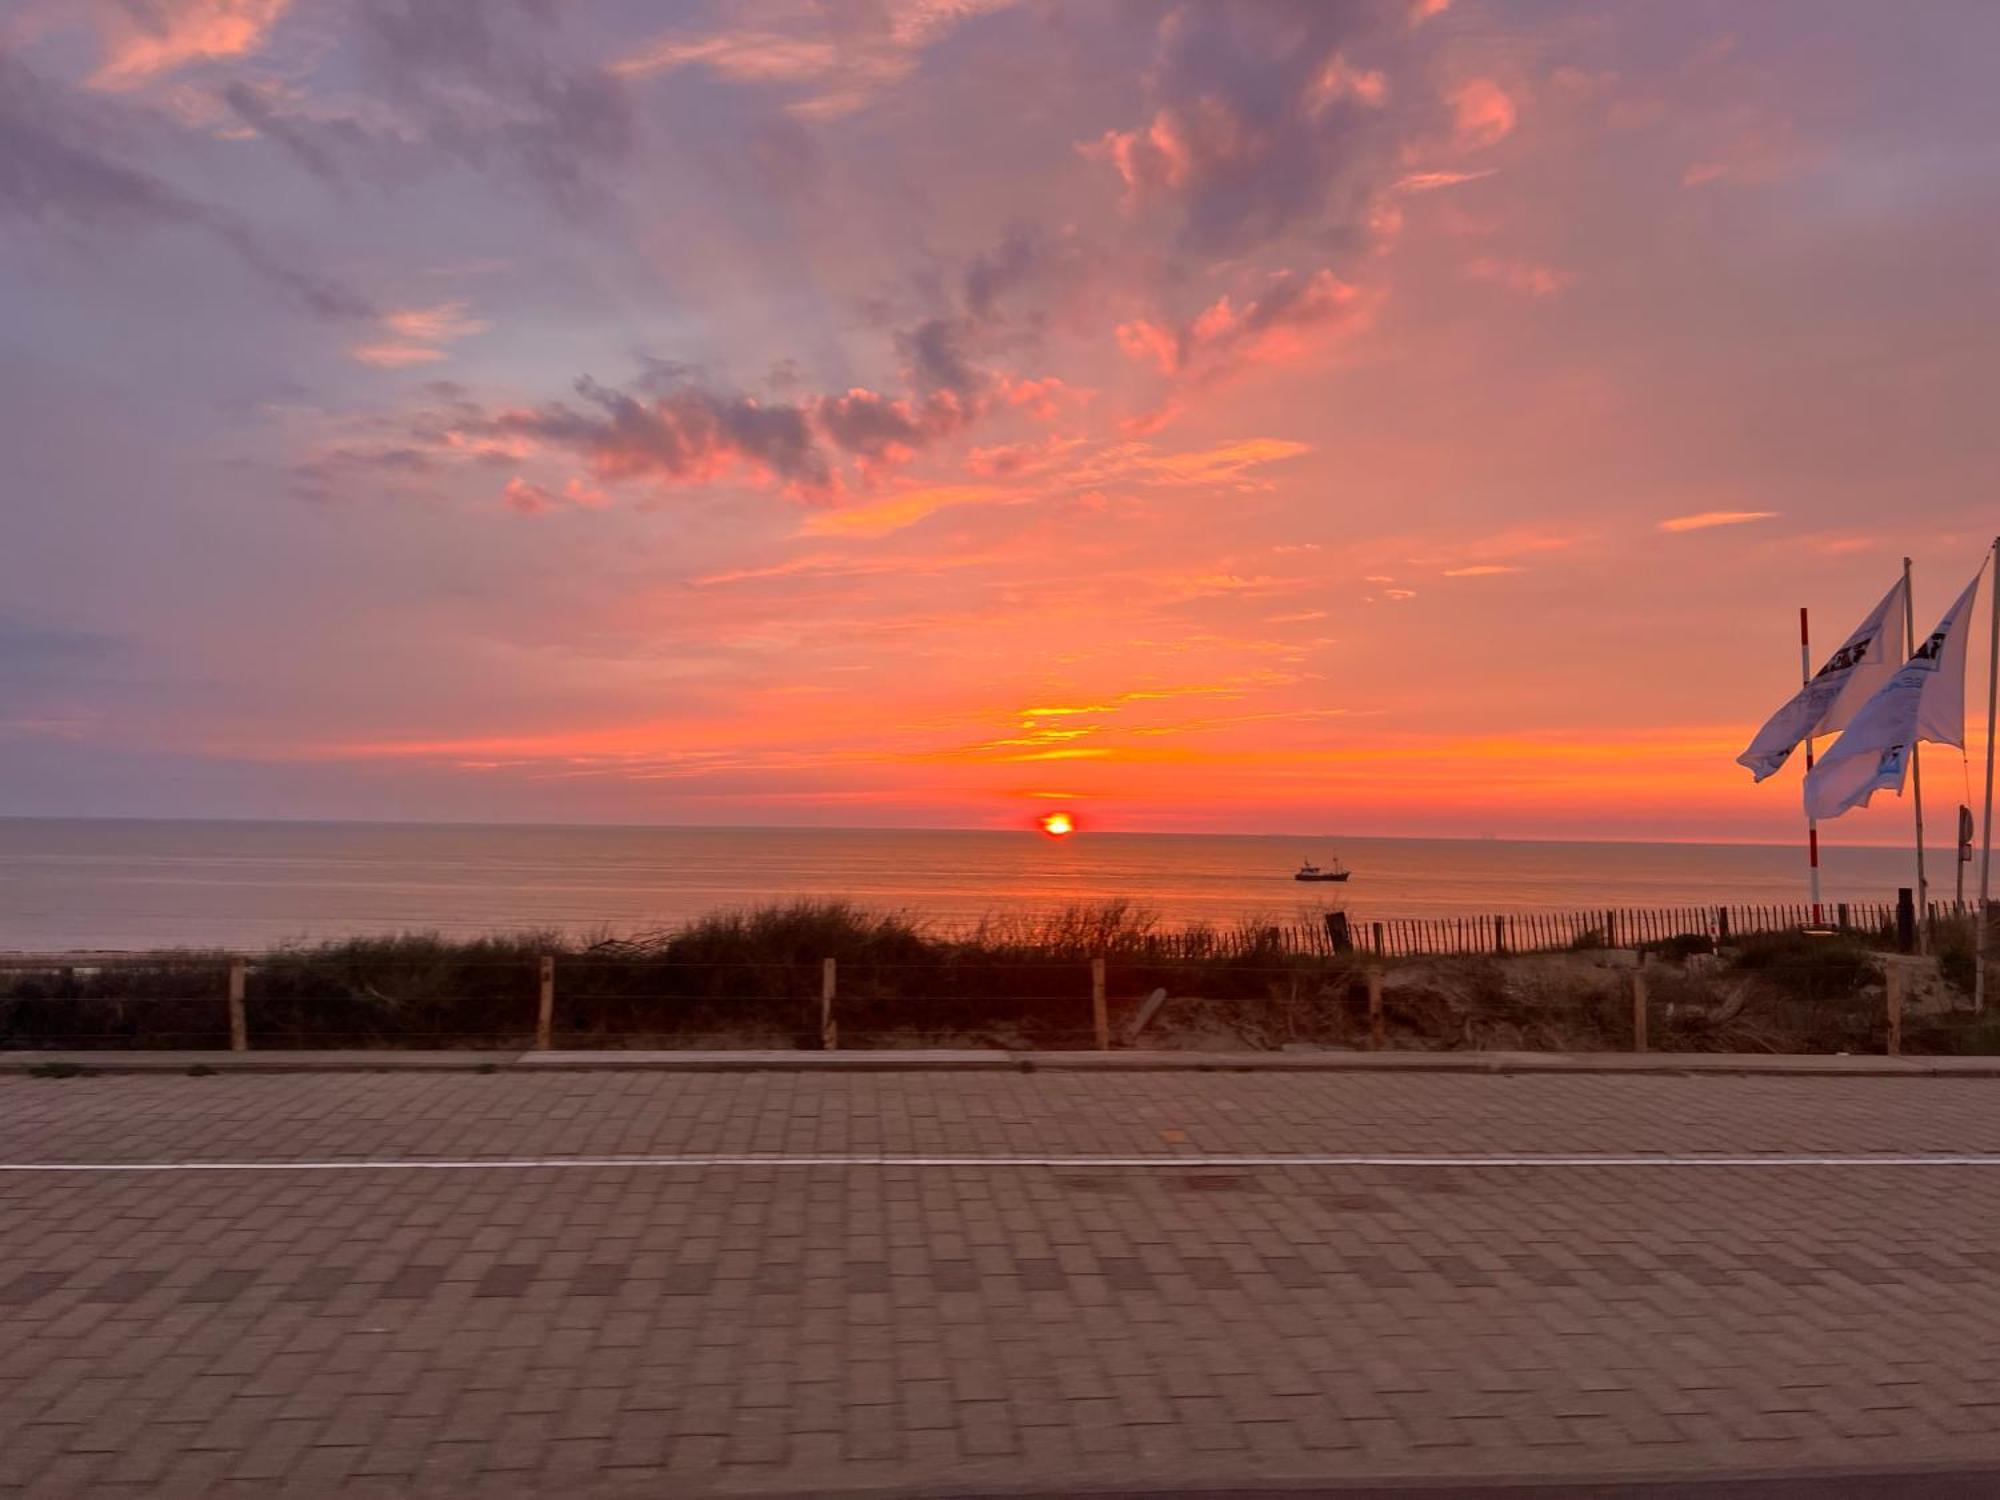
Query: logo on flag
(1924,700)
(1849,678)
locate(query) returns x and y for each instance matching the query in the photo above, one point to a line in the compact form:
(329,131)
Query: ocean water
(113,884)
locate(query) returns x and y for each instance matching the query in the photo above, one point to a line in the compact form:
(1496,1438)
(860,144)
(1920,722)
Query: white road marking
(1185,1162)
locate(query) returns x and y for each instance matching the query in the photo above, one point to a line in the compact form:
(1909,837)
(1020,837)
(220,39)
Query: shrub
(1807,966)
(1681,946)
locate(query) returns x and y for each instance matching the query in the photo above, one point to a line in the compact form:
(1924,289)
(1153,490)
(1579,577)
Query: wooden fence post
(1100,1017)
(545,1014)
(1375,1028)
(829,1029)
(239,1030)
(1499,934)
(1892,984)
(1377,926)
(1639,1005)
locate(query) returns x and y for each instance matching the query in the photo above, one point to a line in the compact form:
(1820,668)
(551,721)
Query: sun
(1058,825)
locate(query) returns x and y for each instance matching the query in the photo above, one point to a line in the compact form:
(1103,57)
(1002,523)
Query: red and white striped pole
(1812,824)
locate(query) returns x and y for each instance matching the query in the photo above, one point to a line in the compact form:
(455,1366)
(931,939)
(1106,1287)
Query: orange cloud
(1226,463)
(906,509)
(1707,518)
(1482,570)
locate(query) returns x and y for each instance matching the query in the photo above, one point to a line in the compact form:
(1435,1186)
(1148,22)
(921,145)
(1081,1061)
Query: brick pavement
(781,1328)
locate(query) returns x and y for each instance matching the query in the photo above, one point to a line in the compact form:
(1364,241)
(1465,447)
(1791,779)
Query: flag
(1925,700)
(1852,675)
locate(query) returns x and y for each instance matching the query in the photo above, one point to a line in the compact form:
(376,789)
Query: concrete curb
(1935,1482)
(386,1060)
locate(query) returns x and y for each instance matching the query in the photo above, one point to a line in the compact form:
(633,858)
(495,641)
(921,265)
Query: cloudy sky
(1386,417)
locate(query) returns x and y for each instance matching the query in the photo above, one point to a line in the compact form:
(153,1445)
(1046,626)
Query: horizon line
(1413,838)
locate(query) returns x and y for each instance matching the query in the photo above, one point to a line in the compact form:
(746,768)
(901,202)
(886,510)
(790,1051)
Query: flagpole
(1986,848)
(1916,775)
(1812,823)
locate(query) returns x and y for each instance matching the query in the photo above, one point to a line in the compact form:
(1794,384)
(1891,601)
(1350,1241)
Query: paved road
(1107,1306)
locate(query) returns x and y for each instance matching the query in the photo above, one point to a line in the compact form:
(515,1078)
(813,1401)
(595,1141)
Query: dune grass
(752,978)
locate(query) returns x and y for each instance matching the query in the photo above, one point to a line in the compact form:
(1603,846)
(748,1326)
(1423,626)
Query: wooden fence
(1530,932)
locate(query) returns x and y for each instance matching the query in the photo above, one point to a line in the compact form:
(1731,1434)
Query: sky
(1417,417)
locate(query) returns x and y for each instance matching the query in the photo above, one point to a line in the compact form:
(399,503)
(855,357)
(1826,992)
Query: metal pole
(239,1031)
(1812,823)
(1986,846)
(1963,858)
(1916,770)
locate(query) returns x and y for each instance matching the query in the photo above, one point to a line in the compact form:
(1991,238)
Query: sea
(106,884)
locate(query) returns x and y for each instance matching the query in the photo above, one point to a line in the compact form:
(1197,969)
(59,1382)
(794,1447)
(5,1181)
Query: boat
(1311,871)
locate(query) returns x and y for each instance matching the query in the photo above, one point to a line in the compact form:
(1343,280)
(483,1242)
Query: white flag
(1925,700)
(1852,675)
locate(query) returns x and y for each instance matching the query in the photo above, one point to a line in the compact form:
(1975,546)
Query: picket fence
(1529,932)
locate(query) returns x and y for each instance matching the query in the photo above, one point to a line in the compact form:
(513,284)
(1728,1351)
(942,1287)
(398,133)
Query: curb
(1669,1065)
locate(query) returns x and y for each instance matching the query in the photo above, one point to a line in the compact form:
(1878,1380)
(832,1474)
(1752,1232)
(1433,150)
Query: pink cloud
(1761,151)
(1008,460)
(532,499)
(1483,114)
(689,436)
(395,356)
(1040,398)
(1430,182)
(529,499)
(839,68)
(442,323)
(145,42)
(882,431)
(417,334)
(1280,323)
(1526,277)
(1340,79)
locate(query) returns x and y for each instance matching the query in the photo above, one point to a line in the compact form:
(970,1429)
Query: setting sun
(1058,825)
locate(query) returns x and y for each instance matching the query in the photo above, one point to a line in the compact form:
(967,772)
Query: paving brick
(402,1333)
(30,1286)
